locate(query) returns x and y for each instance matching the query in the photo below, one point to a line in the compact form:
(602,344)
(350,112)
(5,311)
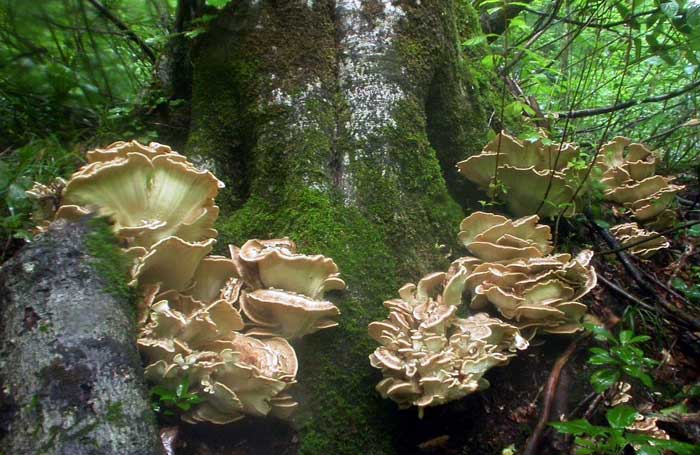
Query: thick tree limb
(628,104)
(130,34)
(71,377)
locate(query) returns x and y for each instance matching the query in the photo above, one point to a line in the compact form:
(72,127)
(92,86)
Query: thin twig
(150,54)
(630,103)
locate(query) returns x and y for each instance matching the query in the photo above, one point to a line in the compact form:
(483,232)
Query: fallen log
(71,379)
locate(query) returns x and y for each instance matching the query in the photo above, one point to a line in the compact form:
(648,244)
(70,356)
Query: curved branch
(595,24)
(130,34)
(630,103)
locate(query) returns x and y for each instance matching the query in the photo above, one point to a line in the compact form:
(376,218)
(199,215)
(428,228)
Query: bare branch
(130,34)
(631,103)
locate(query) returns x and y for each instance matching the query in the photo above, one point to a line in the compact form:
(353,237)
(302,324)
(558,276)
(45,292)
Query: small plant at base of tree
(165,401)
(623,359)
(612,439)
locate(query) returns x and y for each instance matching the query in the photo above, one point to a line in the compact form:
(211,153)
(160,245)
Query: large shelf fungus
(428,356)
(537,177)
(628,175)
(219,324)
(149,192)
(511,268)
(285,290)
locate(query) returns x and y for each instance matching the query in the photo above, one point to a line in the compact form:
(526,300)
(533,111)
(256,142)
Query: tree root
(550,391)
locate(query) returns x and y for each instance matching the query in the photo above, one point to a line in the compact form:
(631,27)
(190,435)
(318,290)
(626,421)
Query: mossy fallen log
(70,374)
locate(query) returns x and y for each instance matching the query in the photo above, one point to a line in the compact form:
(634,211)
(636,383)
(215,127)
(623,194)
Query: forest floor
(501,419)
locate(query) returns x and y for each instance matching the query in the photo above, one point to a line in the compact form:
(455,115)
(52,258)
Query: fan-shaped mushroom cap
(529,171)
(477,223)
(521,282)
(172,262)
(427,355)
(493,238)
(278,266)
(292,315)
(211,276)
(630,233)
(148,198)
(121,149)
(528,187)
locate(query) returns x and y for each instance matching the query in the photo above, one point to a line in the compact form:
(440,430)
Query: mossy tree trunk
(338,124)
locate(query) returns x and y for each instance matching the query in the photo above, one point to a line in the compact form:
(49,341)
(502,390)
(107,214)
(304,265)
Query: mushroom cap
(428,356)
(630,233)
(276,265)
(292,315)
(172,262)
(210,278)
(148,198)
(527,188)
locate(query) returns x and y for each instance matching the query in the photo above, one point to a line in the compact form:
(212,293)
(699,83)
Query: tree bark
(338,124)
(71,376)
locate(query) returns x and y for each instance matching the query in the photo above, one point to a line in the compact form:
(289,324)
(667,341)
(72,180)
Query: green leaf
(600,333)
(639,339)
(474,41)
(680,448)
(489,61)
(602,380)
(637,372)
(602,359)
(626,336)
(575,427)
(693,231)
(670,9)
(218,3)
(621,416)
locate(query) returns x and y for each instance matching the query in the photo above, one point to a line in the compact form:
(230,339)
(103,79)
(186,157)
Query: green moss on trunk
(270,111)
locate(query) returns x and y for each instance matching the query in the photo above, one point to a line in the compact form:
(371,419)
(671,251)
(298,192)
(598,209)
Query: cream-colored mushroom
(631,233)
(428,356)
(537,177)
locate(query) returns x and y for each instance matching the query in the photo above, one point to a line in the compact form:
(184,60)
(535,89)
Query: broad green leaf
(621,416)
(670,9)
(602,380)
(218,3)
(575,427)
(474,41)
(693,231)
(601,359)
(601,333)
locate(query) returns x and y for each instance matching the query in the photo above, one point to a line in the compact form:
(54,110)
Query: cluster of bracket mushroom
(628,174)
(538,177)
(511,268)
(219,323)
(639,242)
(428,356)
